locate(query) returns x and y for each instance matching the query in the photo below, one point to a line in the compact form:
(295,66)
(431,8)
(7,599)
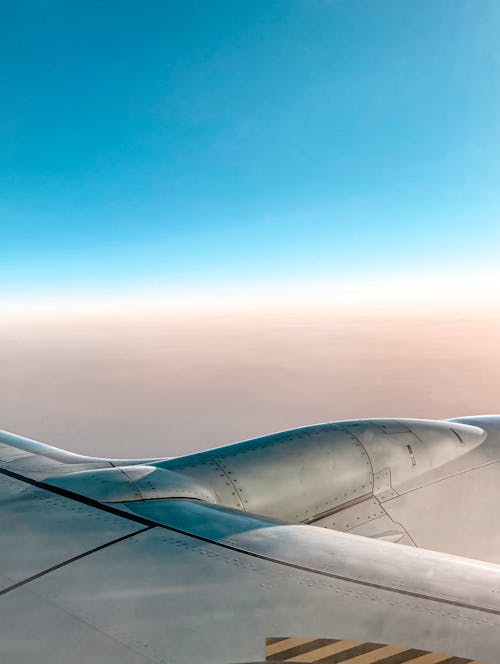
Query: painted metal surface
(452,507)
(39,529)
(296,475)
(336,651)
(136,564)
(34,629)
(138,482)
(183,599)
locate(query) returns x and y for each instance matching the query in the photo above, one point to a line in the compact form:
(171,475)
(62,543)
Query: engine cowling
(304,474)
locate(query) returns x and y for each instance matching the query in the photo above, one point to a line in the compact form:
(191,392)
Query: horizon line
(406,291)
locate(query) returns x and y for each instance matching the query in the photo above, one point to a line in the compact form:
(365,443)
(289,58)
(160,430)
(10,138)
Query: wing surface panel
(464,520)
(444,578)
(34,629)
(191,601)
(40,529)
(180,581)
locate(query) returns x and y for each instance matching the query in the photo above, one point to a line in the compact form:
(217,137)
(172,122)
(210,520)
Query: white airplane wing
(93,571)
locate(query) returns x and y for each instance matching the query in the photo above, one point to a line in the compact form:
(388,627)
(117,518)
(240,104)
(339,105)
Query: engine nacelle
(303,474)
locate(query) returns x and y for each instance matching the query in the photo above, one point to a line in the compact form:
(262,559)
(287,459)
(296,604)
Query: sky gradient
(171,148)
(223,218)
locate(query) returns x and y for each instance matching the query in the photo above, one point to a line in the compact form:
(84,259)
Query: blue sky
(176,145)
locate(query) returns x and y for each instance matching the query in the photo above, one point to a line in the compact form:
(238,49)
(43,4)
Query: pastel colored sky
(174,384)
(177,147)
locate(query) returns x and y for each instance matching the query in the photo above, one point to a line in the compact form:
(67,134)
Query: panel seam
(240,498)
(252,554)
(68,561)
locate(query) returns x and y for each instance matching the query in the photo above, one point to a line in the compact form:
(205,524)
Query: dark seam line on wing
(441,479)
(78,497)
(398,523)
(338,508)
(360,443)
(303,568)
(44,572)
(131,482)
(240,498)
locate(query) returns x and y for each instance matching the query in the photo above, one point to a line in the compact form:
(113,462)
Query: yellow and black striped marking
(334,651)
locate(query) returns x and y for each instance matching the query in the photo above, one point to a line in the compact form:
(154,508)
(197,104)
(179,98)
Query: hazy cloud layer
(169,385)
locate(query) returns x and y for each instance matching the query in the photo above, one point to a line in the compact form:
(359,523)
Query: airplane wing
(90,572)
